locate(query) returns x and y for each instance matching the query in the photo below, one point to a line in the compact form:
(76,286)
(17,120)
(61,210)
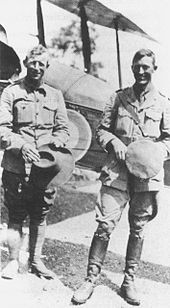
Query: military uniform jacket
(26,115)
(117,122)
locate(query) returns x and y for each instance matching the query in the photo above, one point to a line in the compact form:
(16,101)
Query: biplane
(85,95)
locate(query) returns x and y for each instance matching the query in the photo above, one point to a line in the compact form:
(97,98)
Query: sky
(19,19)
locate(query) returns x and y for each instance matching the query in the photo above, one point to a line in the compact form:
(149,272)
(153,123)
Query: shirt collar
(149,97)
(30,88)
(149,89)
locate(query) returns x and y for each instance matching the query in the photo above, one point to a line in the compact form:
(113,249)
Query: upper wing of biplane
(99,14)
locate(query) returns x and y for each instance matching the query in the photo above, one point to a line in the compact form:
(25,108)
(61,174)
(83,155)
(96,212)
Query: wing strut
(40,24)
(86,48)
(118,55)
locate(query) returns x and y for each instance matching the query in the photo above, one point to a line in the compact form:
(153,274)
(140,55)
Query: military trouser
(142,208)
(23,199)
(111,203)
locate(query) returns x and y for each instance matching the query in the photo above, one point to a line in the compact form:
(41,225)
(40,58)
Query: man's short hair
(144,53)
(37,51)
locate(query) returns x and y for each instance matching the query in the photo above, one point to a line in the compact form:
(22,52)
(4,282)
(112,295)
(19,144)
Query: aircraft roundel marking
(80,134)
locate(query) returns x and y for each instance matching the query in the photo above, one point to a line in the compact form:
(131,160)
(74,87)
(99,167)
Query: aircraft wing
(99,14)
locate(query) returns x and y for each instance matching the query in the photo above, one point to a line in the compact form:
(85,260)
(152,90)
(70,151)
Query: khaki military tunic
(154,113)
(37,116)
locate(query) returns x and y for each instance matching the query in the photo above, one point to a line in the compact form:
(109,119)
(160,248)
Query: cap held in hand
(144,158)
(54,168)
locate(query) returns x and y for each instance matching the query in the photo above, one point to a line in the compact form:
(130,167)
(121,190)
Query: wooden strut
(85,39)
(40,24)
(118,55)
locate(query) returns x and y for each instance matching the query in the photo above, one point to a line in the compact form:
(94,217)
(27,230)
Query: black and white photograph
(84,153)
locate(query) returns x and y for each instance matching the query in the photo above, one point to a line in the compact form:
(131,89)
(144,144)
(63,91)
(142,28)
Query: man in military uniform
(32,114)
(115,132)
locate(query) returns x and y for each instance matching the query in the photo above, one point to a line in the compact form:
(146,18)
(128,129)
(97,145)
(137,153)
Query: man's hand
(5,142)
(120,149)
(29,153)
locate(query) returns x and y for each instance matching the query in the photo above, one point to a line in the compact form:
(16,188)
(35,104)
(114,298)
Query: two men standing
(33,114)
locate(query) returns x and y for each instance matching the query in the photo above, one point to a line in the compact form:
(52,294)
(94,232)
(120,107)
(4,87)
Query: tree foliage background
(67,47)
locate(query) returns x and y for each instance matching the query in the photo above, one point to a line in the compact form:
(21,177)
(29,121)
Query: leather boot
(128,288)
(14,233)
(36,240)
(96,257)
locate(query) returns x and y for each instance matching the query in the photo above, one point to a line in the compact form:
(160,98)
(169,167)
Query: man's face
(143,70)
(36,68)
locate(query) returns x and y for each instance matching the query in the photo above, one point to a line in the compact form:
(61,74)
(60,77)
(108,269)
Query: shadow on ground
(69,262)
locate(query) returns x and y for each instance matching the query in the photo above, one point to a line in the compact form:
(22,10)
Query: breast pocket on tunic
(152,122)
(48,114)
(23,112)
(124,123)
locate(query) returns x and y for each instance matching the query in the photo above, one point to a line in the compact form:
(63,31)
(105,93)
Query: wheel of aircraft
(80,134)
